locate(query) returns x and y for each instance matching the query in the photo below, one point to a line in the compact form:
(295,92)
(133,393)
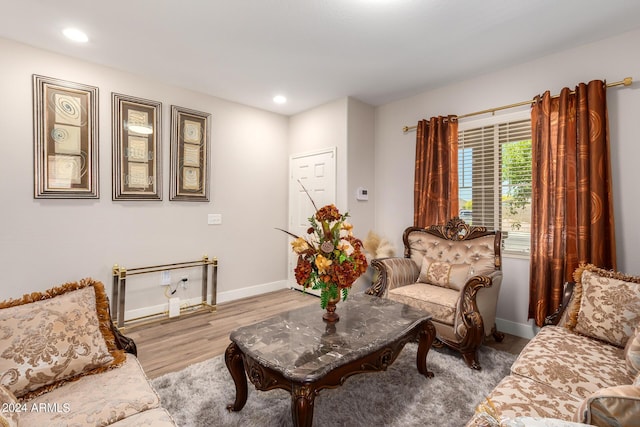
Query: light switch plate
(214,219)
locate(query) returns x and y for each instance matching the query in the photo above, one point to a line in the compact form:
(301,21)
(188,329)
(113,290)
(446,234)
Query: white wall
(611,59)
(361,162)
(47,242)
(323,127)
(361,173)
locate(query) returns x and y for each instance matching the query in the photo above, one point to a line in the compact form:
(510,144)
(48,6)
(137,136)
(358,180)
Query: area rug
(398,397)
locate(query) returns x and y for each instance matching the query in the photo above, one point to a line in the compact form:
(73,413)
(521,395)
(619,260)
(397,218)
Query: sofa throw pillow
(606,305)
(443,274)
(10,408)
(632,353)
(617,405)
(52,337)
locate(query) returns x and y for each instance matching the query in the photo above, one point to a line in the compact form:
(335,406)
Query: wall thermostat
(362,194)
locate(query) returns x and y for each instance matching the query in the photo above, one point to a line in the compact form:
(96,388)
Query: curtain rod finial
(627,81)
(405,129)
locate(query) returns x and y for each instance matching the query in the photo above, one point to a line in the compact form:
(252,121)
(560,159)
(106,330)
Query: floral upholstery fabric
(611,406)
(517,396)
(443,274)
(441,302)
(569,372)
(608,307)
(478,253)
(539,422)
(47,341)
(8,402)
(485,421)
(96,400)
(158,417)
(632,353)
(571,363)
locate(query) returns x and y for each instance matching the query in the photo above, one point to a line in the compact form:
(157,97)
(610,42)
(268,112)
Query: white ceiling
(313,51)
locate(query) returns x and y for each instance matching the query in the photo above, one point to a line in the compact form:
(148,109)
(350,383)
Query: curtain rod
(626,82)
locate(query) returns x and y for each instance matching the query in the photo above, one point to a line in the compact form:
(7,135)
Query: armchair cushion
(478,253)
(56,336)
(440,302)
(444,274)
(606,305)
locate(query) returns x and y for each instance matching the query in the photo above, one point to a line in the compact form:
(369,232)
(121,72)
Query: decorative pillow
(443,274)
(10,408)
(632,353)
(606,305)
(618,405)
(56,336)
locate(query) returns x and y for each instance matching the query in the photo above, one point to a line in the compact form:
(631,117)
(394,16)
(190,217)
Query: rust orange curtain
(572,204)
(436,171)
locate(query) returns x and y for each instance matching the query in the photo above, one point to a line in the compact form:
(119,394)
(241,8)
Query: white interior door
(317,172)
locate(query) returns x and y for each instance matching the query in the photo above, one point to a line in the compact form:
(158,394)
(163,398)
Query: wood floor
(172,345)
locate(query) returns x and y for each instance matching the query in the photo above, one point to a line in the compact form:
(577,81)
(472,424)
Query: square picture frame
(190,141)
(65,120)
(136,131)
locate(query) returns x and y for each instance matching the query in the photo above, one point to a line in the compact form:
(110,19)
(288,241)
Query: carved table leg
(302,398)
(426,337)
(233,359)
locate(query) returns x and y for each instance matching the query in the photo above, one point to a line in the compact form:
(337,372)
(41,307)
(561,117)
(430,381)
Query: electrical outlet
(165,278)
(184,281)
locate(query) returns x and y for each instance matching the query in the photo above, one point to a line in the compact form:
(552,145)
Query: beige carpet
(399,397)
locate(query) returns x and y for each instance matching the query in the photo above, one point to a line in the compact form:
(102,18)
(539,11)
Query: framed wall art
(65,139)
(137,153)
(189,155)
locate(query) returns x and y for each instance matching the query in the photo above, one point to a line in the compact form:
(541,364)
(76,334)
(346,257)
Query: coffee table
(299,352)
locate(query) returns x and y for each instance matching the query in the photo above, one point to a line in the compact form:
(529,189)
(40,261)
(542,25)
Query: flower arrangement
(330,257)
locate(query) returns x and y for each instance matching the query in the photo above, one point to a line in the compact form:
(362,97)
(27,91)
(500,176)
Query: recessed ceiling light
(279,99)
(75,34)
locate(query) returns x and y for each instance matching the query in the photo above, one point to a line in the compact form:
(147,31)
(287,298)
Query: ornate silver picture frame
(137,152)
(190,131)
(65,119)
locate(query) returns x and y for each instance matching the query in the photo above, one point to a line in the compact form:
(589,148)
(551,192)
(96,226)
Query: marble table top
(303,347)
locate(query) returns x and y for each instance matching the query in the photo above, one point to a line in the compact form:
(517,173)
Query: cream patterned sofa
(453,272)
(584,369)
(63,363)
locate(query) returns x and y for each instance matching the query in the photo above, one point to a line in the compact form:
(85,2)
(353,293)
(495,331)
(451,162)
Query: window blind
(495,180)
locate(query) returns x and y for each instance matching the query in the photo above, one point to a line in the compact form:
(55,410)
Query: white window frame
(464,125)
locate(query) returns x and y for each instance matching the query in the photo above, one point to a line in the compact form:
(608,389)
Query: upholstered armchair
(453,272)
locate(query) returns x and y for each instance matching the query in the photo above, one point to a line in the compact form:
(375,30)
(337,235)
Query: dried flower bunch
(330,257)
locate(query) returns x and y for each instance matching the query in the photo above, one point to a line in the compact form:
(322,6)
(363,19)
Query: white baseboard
(251,291)
(138,313)
(523,330)
(221,297)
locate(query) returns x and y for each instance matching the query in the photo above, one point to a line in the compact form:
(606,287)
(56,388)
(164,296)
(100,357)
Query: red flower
(328,213)
(302,271)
